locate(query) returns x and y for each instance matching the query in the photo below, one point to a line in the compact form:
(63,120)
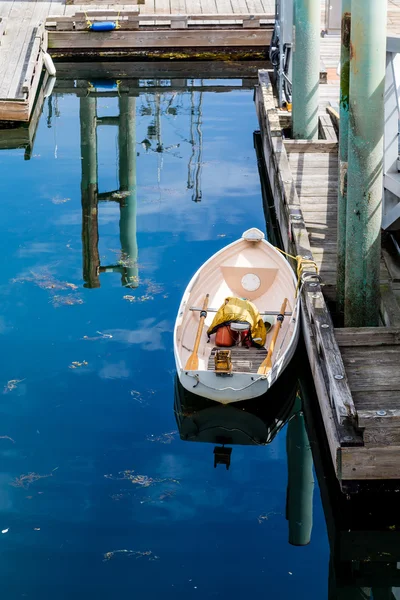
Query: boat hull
(248,268)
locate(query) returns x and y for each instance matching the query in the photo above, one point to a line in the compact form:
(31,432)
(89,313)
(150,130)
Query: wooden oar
(193,360)
(266,364)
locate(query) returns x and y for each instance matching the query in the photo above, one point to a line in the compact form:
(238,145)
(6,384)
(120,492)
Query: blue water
(87,375)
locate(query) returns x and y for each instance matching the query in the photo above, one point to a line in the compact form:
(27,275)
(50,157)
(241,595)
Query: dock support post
(299,499)
(343,152)
(306,67)
(365,167)
(127,182)
(90,231)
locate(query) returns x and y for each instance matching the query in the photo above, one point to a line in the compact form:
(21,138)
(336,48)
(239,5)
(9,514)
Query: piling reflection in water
(125,196)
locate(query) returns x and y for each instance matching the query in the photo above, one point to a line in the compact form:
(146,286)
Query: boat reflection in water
(251,422)
(257,422)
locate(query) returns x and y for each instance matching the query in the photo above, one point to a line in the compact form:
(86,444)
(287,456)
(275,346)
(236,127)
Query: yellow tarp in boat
(240,311)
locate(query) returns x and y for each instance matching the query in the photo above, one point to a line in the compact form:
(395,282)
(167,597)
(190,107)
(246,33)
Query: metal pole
(127,182)
(299,499)
(365,170)
(343,153)
(90,231)
(306,67)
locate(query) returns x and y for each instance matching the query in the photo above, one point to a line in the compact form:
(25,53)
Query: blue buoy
(103,26)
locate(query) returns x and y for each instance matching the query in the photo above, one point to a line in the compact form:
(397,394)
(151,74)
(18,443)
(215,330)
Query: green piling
(365,165)
(306,68)
(343,152)
(300,489)
(90,232)
(127,181)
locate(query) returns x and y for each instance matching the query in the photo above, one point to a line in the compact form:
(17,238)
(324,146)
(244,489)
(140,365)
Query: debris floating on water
(142,480)
(130,553)
(139,398)
(143,298)
(58,200)
(45,280)
(11,385)
(100,336)
(164,438)
(25,481)
(68,300)
(76,364)
(7,437)
(5,530)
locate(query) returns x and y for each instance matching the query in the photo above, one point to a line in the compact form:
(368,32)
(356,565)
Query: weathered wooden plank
(378,437)
(310,178)
(388,400)
(373,378)
(370,463)
(161,16)
(11,110)
(326,128)
(380,418)
(159,39)
(368,336)
(310,146)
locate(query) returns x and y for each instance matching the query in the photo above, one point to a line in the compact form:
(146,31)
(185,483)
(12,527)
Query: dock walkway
(355,371)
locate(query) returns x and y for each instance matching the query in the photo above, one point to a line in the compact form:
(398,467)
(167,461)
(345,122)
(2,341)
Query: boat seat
(244,360)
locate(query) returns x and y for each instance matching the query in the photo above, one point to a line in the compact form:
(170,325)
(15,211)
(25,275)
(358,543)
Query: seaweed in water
(142,480)
(164,438)
(7,437)
(130,553)
(76,364)
(24,481)
(11,385)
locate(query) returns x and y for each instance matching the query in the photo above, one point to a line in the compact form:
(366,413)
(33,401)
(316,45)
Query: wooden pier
(193,27)
(356,371)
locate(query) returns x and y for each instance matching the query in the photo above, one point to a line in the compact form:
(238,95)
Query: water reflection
(125,195)
(257,422)
(96,489)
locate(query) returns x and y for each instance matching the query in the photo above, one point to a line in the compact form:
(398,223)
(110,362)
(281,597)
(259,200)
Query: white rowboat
(249,268)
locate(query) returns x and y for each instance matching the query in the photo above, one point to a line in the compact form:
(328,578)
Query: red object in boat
(224,337)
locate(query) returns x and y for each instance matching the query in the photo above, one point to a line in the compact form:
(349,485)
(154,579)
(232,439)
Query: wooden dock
(181,25)
(356,371)
(183,28)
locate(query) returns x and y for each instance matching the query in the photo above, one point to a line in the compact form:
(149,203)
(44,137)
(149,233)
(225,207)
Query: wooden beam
(370,463)
(368,336)
(159,69)
(156,39)
(310,146)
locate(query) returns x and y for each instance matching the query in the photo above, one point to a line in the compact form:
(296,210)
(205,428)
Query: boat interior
(254,271)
